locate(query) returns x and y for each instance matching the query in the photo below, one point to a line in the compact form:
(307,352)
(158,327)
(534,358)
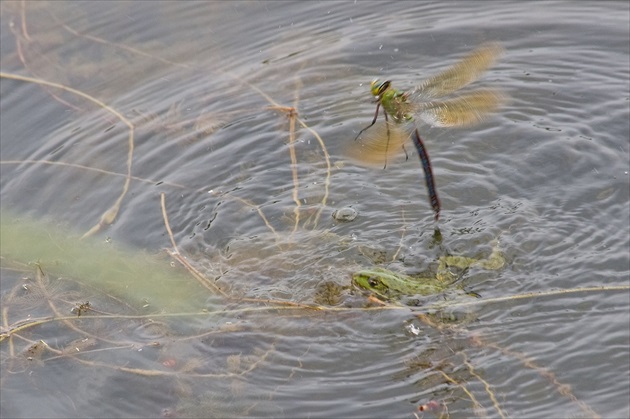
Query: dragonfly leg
(387,143)
(428,173)
(378,106)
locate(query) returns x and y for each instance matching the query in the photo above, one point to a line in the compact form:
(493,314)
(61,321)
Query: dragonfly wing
(466,109)
(460,74)
(380,144)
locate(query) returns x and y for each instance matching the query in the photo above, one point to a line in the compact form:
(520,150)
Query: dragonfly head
(378,88)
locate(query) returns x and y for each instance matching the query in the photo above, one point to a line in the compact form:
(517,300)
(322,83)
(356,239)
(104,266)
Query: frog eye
(373,281)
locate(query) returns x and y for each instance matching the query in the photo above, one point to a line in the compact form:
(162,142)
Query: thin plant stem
(108,216)
(175,254)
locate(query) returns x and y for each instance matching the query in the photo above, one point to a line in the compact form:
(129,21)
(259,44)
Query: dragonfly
(430,102)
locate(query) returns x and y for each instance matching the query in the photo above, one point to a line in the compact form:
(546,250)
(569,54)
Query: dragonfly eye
(374,87)
(379,88)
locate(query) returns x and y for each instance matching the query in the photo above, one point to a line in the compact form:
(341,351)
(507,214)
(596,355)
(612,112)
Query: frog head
(375,282)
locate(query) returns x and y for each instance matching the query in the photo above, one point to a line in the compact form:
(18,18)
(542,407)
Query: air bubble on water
(413,329)
(345,214)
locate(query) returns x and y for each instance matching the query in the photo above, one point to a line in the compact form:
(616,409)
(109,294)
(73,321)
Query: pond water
(235,122)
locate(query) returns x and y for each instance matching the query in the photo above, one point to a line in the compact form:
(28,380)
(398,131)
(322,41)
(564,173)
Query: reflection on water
(247,131)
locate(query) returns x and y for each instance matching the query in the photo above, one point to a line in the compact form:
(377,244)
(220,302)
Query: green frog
(389,285)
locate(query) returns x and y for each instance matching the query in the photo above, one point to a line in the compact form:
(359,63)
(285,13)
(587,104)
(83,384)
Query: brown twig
(108,216)
(182,260)
(93,169)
